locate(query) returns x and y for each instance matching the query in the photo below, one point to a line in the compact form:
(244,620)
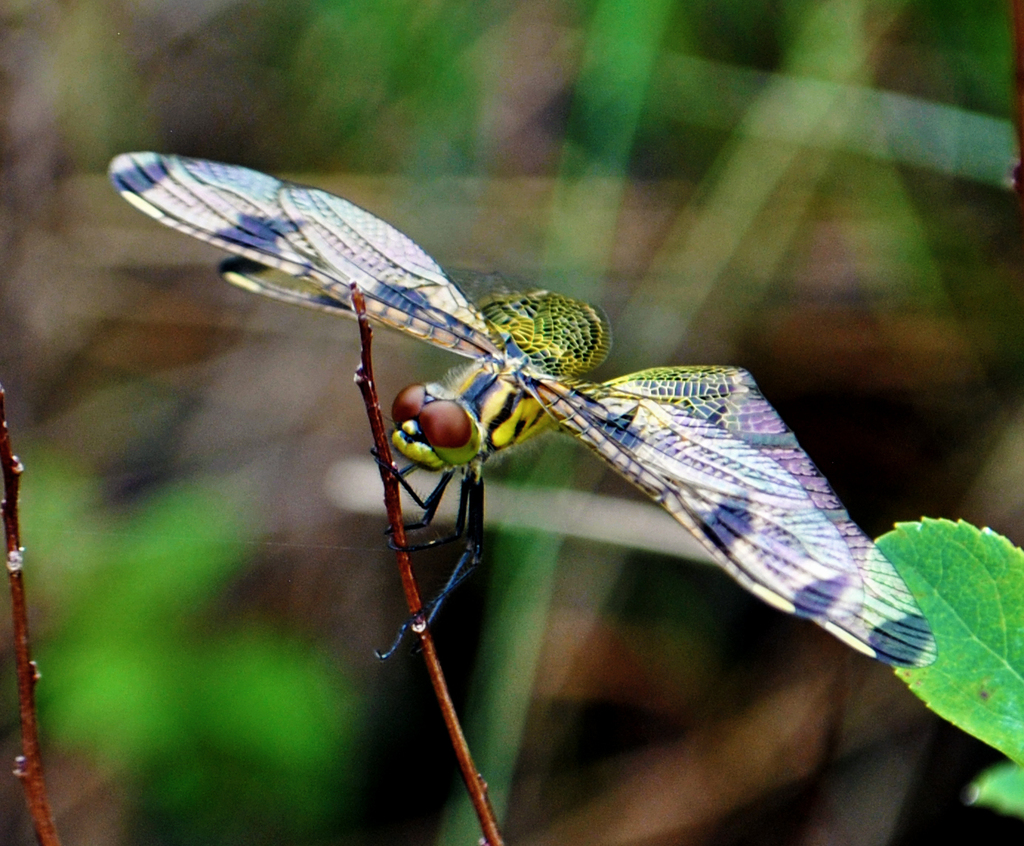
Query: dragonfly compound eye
(445,424)
(408,403)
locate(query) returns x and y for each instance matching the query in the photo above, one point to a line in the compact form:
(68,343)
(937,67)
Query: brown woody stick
(1017,13)
(475,783)
(29,765)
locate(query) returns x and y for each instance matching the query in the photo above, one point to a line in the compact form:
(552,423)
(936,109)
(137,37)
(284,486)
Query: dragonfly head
(434,432)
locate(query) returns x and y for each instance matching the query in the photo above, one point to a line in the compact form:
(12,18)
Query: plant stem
(1017,13)
(29,765)
(475,783)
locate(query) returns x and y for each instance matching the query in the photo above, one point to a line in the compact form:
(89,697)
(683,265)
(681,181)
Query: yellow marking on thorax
(507,415)
(528,418)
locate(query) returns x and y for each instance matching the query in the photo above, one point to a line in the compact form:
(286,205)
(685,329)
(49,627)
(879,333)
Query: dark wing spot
(259,232)
(137,179)
(902,642)
(620,429)
(726,523)
(819,596)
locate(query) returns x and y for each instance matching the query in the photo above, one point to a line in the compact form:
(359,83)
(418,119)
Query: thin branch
(1017,12)
(475,783)
(29,765)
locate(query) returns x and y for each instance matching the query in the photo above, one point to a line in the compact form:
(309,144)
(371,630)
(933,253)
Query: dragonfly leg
(470,521)
(460,520)
(429,503)
(474,529)
(384,654)
(432,501)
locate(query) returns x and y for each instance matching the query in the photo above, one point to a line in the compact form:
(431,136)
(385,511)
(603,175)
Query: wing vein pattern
(702,441)
(319,242)
(707,446)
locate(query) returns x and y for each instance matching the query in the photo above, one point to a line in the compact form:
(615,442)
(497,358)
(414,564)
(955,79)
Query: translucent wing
(558,335)
(706,445)
(304,246)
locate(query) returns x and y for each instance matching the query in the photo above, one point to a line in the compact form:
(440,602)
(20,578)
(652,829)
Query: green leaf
(969,583)
(1001,788)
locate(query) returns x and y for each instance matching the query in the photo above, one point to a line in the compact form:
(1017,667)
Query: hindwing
(706,445)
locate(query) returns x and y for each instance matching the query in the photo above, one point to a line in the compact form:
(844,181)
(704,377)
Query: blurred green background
(817,191)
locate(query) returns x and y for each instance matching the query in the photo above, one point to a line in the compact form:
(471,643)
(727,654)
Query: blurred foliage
(813,189)
(1001,788)
(360,68)
(233,731)
(399,85)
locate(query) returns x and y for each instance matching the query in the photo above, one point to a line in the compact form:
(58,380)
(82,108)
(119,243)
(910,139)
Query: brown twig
(29,765)
(475,783)
(1017,12)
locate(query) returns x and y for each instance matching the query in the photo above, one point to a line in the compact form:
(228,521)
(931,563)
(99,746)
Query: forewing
(706,444)
(304,246)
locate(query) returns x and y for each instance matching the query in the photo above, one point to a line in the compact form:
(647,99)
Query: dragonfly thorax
(485,410)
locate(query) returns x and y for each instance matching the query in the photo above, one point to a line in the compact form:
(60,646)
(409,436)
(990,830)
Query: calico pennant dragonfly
(701,441)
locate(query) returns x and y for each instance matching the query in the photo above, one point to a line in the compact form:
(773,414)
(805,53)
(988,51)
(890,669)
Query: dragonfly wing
(304,246)
(558,335)
(705,444)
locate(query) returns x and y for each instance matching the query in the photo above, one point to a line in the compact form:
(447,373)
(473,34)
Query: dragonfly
(702,441)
